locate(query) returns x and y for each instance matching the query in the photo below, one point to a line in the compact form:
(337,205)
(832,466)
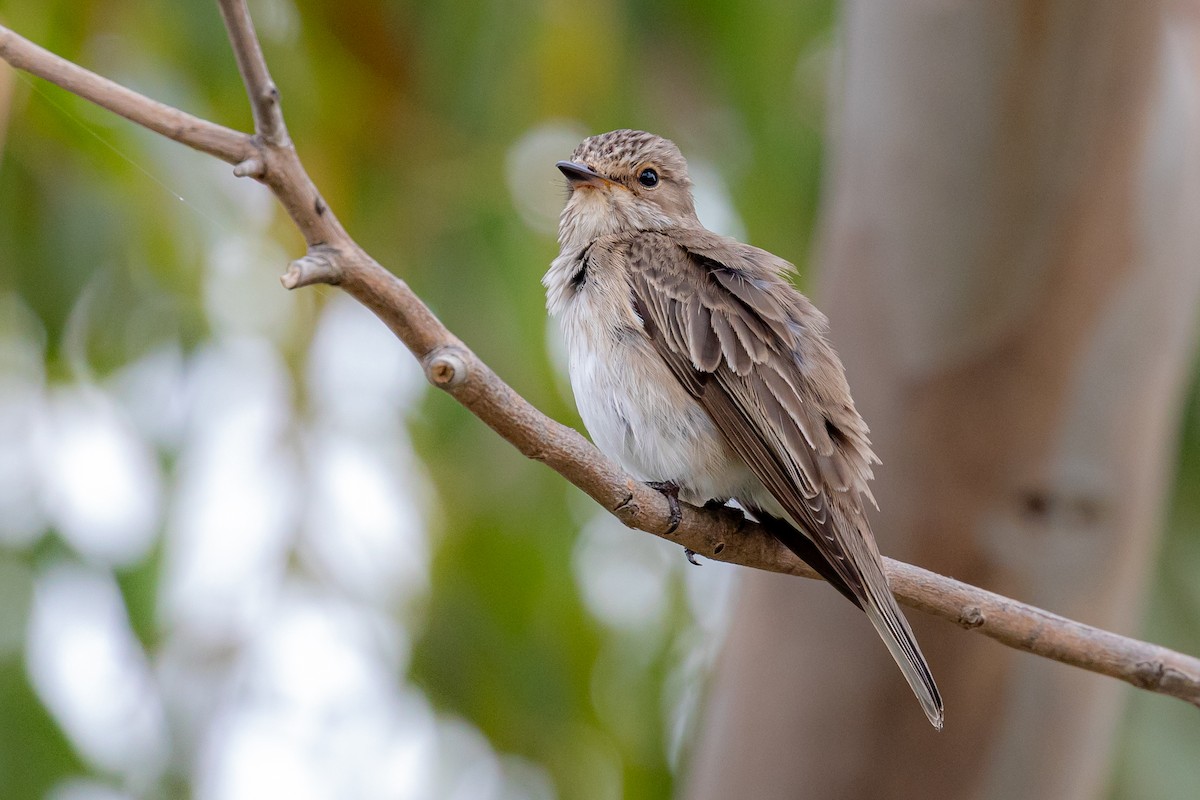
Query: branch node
(1149,674)
(320,265)
(445,367)
(972,617)
(624,504)
(250,168)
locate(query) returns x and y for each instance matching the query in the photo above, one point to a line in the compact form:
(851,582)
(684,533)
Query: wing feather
(735,355)
(764,398)
(705,348)
(756,343)
(752,292)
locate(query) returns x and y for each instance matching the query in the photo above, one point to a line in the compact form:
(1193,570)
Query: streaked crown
(623,154)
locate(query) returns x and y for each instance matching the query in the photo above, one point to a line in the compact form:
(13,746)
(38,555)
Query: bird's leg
(669,490)
(711,505)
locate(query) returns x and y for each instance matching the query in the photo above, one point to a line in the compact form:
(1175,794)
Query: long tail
(872,596)
(893,628)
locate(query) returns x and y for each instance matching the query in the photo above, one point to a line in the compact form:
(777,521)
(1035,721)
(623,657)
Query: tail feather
(866,586)
(898,636)
(806,551)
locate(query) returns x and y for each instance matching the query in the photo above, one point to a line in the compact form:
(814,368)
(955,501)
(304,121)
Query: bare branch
(721,534)
(1034,630)
(207,137)
(264,96)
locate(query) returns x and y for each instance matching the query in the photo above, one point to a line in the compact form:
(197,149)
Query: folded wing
(753,352)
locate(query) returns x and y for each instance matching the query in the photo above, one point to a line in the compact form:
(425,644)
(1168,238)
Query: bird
(699,368)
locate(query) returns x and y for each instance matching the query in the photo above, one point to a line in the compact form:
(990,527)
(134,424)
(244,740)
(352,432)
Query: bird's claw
(669,490)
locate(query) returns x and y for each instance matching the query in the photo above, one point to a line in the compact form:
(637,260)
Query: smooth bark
(1010,250)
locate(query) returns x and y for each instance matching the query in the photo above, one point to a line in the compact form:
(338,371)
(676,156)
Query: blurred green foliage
(1155,756)
(405,114)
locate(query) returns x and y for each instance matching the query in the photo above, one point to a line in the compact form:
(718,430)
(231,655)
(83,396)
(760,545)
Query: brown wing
(752,350)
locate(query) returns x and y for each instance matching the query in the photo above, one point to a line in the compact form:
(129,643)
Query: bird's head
(625,181)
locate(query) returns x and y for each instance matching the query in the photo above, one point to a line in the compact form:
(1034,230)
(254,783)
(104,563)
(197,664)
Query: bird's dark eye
(648,178)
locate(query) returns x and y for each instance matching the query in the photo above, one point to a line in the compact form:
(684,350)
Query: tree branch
(264,97)
(207,137)
(720,534)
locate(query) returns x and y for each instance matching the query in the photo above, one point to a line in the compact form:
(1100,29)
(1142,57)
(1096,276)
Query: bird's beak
(580,174)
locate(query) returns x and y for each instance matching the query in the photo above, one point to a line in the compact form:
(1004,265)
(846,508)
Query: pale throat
(588,215)
(591,213)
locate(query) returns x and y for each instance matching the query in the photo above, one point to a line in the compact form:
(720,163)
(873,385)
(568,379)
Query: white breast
(635,410)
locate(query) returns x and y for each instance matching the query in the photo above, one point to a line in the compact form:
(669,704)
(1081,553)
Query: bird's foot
(669,490)
(690,555)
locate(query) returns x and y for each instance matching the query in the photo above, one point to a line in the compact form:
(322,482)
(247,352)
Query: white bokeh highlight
(714,205)
(234,510)
(364,531)
(90,672)
(358,375)
(622,576)
(151,391)
(100,480)
(537,188)
(318,713)
(239,299)
(366,526)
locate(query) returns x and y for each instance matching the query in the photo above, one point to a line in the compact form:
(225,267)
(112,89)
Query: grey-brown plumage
(695,363)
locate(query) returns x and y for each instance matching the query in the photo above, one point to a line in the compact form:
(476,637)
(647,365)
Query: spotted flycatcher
(698,367)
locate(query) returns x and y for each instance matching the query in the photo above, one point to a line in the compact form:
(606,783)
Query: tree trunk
(1011,264)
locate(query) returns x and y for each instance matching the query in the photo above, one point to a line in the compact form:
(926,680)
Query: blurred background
(245,552)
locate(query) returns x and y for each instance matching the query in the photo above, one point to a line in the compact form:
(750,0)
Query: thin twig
(199,134)
(720,534)
(264,97)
